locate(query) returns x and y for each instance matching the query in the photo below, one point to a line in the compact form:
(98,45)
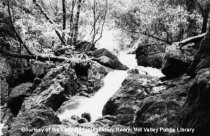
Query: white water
(1,127)
(95,104)
(112,82)
(130,61)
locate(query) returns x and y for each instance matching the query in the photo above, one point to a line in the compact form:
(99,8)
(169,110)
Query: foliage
(129,23)
(155,21)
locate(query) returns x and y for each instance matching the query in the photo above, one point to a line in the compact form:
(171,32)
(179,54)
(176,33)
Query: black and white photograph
(105,67)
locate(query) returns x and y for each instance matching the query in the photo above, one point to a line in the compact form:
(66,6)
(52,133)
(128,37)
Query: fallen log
(45,57)
(191,40)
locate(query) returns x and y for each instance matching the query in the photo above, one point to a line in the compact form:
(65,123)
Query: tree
(99,20)
(64,17)
(47,17)
(76,23)
(204,6)
(71,34)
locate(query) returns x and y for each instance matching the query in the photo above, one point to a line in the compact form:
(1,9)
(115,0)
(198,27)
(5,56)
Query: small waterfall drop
(1,127)
(95,104)
(128,59)
(112,82)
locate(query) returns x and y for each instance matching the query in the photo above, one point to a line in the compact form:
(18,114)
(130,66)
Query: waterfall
(112,82)
(95,104)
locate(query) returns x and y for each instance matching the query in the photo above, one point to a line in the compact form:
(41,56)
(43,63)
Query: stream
(112,82)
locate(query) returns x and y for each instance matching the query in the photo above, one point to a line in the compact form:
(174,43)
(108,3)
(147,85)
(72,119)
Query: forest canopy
(42,26)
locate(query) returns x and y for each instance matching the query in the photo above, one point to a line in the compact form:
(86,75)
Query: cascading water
(95,104)
(130,61)
(112,83)
(1,127)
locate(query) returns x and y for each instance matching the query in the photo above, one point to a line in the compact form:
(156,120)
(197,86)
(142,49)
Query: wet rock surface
(196,110)
(140,103)
(41,99)
(202,58)
(17,97)
(107,59)
(149,56)
(175,62)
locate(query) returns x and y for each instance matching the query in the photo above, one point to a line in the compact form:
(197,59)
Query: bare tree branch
(46,16)
(149,35)
(104,21)
(16,33)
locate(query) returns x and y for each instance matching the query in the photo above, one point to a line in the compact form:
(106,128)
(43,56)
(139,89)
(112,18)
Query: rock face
(145,58)
(174,67)
(175,62)
(26,122)
(131,92)
(57,86)
(91,81)
(138,103)
(4,74)
(202,58)
(39,68)
(4,88)
(59,83)
(17,96)
(38,110)
(82,45)
(196,111)
(107,59)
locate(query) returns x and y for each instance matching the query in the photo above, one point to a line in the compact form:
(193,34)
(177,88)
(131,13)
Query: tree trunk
(64,18)
(16,33)
(64,13)
(72,22)
(191,30)
(205,20)
(76,24)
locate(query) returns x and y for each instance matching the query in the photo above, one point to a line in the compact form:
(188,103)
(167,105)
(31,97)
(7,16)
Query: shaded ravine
(94,105)
(112,82)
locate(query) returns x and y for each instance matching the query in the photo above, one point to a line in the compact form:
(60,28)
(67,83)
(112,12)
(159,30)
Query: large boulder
(90,78)
(27,122)
(17,96)
(145,102)
(149,56)
(196,110)
(175,62)
(38,110)
(125,101)
(107,59)
(162,110)
(4,74)
(4,89)
(154,61)
(56,86)
(39,68)
(81,46)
